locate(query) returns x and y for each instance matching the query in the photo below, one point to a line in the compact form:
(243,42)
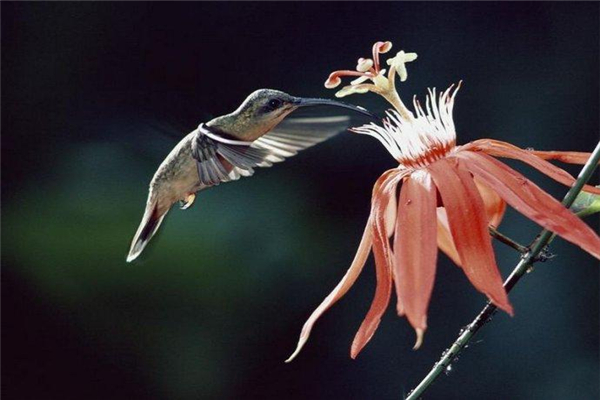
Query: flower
(444,195)
(368,69)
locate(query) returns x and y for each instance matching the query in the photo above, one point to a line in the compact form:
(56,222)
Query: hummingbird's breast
(177,176)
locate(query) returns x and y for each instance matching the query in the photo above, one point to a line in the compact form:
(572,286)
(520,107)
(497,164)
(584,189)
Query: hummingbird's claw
(188,201)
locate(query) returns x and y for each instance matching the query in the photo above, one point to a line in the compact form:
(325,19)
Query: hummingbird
(231,146)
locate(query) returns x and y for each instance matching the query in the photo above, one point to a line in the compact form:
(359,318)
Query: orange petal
(390,217)
(527,198)
(415,248)
(502,149)
(568,157)
(495,208)
(340,290)
(444,238)
(494,205)
(381,251)
(469,228)
(347,281)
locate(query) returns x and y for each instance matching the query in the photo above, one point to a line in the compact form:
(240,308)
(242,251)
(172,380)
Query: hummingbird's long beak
(302,102)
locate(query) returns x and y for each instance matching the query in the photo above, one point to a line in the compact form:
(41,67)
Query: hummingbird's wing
(222,160)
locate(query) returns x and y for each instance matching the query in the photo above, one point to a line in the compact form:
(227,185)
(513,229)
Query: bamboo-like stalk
(537,248)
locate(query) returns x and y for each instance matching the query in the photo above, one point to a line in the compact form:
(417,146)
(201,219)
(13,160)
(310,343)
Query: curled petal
(498,148)
(415,249)
(469,228)
(390,216)
(444,237)
(568,157)
(531,201)
(381,251)
(382,294)
(340,290)
(495,207)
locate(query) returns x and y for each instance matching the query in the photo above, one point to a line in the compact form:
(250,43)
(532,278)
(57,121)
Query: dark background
(94,95)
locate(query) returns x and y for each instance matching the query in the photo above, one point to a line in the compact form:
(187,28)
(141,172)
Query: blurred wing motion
(220,159)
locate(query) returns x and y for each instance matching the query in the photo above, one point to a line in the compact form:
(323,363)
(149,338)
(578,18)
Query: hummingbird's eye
(275,104)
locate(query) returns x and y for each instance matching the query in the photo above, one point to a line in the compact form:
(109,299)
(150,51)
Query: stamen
(360,80)
(399,62)
(364,64)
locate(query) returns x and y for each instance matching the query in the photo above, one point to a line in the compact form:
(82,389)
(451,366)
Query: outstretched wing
(221,159)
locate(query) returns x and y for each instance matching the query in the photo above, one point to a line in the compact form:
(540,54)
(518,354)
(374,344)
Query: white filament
(411,140)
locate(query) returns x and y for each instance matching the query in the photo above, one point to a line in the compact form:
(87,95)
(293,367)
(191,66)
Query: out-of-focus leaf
(586,204)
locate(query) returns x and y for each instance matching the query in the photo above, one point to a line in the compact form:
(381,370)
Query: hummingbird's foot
(188,201)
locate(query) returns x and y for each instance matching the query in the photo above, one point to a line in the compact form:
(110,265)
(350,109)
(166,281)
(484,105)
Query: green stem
(502,238)
(537,247)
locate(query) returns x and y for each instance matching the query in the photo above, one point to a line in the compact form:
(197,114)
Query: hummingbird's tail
(153,217)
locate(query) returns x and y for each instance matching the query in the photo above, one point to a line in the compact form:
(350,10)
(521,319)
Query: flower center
(418,141)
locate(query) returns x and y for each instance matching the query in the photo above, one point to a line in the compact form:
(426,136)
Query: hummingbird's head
(264,109)
(268,107)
